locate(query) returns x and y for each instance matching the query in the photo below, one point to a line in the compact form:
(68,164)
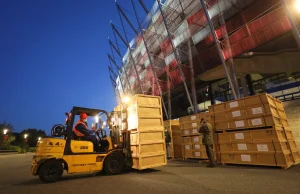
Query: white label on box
(236,113)
(197,147)
(186,132)
(193,117)
(194,124)
(239,124)
(187,147)
(198,154)
(256,122)
(233,104)
(262,147)
(246,158)
(196,139)
(242,146)
(194,131)
(256,111)
(239,136)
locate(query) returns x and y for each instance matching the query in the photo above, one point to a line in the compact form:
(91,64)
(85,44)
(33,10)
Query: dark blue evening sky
(53,55)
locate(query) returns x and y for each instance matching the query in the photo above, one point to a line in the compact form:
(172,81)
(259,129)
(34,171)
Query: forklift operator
(81,130)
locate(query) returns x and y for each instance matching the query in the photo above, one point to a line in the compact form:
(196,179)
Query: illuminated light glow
(297,5)
(5,131)
(126,99)
(39,138)
(96,118)
(25,136)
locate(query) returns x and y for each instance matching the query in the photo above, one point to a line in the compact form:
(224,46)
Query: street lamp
(5,131)
(25,136)
(39,139)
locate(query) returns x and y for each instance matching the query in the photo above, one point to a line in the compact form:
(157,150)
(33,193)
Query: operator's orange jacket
(78,133)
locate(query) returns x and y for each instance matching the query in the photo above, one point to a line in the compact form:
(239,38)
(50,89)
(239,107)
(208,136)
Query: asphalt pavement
(186,177)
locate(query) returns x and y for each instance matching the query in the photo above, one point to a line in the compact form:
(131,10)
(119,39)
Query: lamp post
(25,137)
(5,137)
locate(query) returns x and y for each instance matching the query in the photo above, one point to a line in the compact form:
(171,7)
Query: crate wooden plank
(146,137)
(148,148)
(150,161)
(283,160)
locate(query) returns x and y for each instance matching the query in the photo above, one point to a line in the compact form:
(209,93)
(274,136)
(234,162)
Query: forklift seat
(75,137)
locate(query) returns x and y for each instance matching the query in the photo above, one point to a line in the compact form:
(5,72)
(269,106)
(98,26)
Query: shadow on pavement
(70,177)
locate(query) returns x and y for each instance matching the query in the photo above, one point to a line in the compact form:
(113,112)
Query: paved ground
(177,177)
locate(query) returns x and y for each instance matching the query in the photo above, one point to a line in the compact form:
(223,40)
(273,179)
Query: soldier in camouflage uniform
(168,141)
(208,140)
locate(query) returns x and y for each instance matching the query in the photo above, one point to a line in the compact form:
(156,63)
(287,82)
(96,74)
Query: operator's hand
(93,128)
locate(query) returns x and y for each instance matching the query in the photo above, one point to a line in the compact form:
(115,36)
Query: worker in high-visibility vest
(81,130)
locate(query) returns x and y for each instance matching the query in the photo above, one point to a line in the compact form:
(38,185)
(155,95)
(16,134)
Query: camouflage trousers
(210,154)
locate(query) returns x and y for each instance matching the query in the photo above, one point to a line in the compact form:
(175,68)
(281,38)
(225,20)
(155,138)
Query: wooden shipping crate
(196,139)
(187,147)
(275,121)
(248,101)
(292,145)
(217,108)
(220,117)
(240,124)
(199,154)
(146,137)
(288,133)
(274,133)
(185,132)
(149,161)
(194,131)
(223,137)
(176,140)
(268,99)
(184,126)
(145,100)
(172,125)
(225,147)
(236,114)
(188,154)
(198,146)
(143,124)
(195,125)
(186,140)
(261,146)
(296,157)
(185,119)
(143,111)
(148,148)
(176,151)
(240,136)
(284,160)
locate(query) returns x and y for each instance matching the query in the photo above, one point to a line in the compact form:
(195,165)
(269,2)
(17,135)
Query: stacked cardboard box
(174,148)
(191,139)
(254,130)
(145,123)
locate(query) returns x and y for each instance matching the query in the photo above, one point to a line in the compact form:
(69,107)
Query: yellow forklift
(65,151)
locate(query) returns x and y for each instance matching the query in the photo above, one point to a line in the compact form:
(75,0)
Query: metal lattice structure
(181,39)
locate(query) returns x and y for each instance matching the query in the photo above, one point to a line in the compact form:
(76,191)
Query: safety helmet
(83,115)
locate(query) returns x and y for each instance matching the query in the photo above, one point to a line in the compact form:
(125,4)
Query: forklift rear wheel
(114,163)
(51,171)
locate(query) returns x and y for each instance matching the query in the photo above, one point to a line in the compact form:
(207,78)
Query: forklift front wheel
(114,163)
(51,171)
